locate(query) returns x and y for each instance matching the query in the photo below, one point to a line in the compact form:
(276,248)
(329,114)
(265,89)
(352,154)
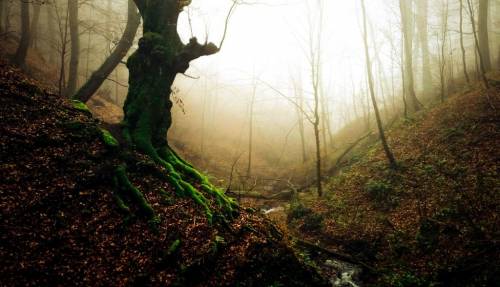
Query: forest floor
(434,220)
(62,225)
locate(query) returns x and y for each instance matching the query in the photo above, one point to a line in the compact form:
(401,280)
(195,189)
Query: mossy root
(125,187)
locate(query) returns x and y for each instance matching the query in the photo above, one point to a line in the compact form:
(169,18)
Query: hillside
(433,221)
(63,223)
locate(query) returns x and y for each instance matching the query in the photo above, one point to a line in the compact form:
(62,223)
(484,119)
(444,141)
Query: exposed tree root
(178,171)
(126,188)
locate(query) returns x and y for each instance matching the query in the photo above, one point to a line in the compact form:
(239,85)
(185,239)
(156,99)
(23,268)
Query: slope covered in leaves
(60,224)
(435,219)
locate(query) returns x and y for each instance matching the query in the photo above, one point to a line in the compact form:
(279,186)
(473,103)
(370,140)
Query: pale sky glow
(271,41)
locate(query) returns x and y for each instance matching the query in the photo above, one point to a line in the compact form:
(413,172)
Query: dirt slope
(435,219)
(60,224)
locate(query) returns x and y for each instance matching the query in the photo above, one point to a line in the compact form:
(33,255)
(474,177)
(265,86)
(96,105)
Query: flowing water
(342,274)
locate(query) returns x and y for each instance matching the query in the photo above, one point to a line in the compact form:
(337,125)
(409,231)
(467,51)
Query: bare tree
(250,128)
(34,22)
(299,99)
(2,12)
(387,150)
(62,23)
(476,41)
(422,25)
(51,32)
(484,45)
(315,70)
(441,43)
(6,15)
(120,51)
(406,27)
(462,46)
(22,50)
(75,47)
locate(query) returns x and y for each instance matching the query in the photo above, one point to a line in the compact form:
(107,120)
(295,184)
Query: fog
(272,52)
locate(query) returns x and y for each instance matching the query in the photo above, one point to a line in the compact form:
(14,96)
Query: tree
(34,22)
(62,45)
(22,50)
(251,117)
(299,99)
(484,45)
(5,15)
(441,43)
(75,47)
(406,27)
(422,25)
(123,46)
(315,67)
(152,70)
(51,32)
(462,47)
(2,12)
(477,45)
(387,150)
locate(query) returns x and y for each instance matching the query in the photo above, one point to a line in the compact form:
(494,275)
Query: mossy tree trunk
(153,67)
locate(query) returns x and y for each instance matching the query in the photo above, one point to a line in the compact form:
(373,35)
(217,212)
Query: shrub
(298,211)
(382,193)
(378,190)
(313,222)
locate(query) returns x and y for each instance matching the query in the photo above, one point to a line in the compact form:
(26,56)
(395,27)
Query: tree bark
(152,70)
(250,130)
(51,30)
(442,46)
(387,150)
(405,8)
(462,47)
(75,47)
(102,73)
(484,45)
(2,11)
(34,23)
(478,47)
(5,19)
(22,50)
(422,25)
(300,118)
(153,67)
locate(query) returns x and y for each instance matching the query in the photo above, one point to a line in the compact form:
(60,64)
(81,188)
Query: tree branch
(193,50)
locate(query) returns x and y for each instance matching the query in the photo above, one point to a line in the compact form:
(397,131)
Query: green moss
(148,117)
(74,126)
(121,204)
(228,204)
(174,247)
(218,241)
(77,105)
(126,187)
(108,138)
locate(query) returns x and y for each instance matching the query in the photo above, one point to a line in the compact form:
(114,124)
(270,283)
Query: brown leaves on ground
(436,217)
(61,226)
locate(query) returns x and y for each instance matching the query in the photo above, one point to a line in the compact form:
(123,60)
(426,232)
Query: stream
(340,273)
